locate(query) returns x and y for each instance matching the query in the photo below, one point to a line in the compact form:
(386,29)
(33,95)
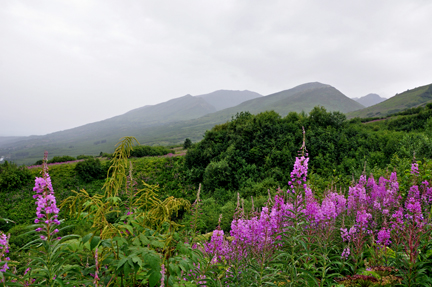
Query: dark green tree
(187,143)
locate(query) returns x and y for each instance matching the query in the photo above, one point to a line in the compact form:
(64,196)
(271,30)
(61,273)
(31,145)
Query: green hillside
(411,98)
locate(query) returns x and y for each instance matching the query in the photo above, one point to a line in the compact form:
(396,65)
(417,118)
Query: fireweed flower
(46,210)
(299,172)
(4,248)
(96,277)
(163,272)
(414,168)
(346,252)
(384,237)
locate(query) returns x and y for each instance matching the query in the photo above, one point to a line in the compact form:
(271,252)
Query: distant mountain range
(224,99)
(185,117)
(369,100)
(411,98)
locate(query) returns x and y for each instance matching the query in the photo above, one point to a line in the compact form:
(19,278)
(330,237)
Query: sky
(67,63)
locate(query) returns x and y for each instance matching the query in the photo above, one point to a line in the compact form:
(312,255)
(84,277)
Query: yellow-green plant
(142,239)
(150,211)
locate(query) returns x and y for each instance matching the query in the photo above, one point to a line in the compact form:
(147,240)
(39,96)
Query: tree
(187,144)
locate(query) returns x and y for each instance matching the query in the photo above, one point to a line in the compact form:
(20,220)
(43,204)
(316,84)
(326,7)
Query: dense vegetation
(142,150)
(245,168)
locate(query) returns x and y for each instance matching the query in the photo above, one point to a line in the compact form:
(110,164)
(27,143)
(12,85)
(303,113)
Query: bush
(187,144)
(82,156)
(61,159)
(90,169)
(13,177)
(143,150)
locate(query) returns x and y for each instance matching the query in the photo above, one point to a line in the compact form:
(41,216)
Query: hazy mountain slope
(369,100)
(223,99)
(7,140)
(411,98)
(102,136)
(178,109)
(300,98)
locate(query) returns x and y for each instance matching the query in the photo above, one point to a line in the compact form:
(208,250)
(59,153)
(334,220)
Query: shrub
(143,150)
(13,177)
(90,169)
(61,159)
(187,144)
(82,156)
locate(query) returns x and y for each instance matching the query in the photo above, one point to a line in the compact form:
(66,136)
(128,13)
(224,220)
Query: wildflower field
(152,225)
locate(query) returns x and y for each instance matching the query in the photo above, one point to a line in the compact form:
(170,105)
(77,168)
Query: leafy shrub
(82,156)
(90,169)
(12,176)
(61,159)
(142,150)
(187,144)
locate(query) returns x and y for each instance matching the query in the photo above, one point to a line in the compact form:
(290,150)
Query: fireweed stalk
(4,249)
(49,265)
(46,210)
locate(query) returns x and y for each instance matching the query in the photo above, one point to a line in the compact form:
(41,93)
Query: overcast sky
(67,63)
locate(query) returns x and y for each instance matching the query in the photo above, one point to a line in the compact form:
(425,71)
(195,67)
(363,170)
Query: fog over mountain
(223,99)
(369,100)
(172,121)
(64,64)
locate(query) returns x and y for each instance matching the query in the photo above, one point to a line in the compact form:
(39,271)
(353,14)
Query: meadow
(260,201)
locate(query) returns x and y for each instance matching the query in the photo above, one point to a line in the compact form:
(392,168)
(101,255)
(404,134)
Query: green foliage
(254,153)
(61,159)
(90,169)
(142,150)
(187,143)
(82,156)
(13,176)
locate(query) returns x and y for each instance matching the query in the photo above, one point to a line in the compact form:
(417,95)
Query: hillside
(369,100)
(300,98)
(223,99)
(411,98)
(157,130)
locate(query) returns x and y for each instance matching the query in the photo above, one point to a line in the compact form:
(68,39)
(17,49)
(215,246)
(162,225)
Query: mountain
(178,109)
(223,99)
(171,122)
(300,98)
(411,98)
(369,100)
(7,140)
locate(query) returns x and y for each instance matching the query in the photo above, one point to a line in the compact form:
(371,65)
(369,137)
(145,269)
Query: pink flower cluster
(373,212)
(4,249)
(46,210)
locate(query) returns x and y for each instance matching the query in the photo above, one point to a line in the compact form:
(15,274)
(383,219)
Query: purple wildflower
(4,248)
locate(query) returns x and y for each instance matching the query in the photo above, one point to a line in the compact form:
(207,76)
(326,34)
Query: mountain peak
(370,100)
(222,99)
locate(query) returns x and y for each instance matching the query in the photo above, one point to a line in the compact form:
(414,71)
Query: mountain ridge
(163,129)
(370,100)
(411,98)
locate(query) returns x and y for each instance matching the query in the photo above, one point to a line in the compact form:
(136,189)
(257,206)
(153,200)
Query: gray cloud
(67,63)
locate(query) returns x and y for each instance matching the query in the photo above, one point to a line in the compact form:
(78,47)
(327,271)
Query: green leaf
(59,281)
(121,262)
(144,240)
(138,260)
(126,268)
(129,228)
(136,241)
(157,244)
(155,278)
(87,238)
(94,242)
(153,261)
